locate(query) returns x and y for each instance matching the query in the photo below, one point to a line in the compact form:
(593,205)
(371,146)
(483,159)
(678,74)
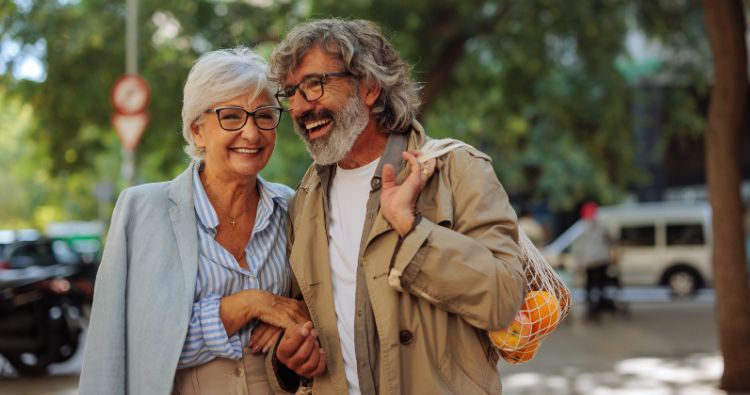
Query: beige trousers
(222,376)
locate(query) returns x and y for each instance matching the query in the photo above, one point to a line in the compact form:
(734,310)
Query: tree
(535,84)
(725,21)
(532,83)
(522,80)
(82,47)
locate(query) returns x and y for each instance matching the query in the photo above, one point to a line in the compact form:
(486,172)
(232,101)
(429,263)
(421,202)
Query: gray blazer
(144,291)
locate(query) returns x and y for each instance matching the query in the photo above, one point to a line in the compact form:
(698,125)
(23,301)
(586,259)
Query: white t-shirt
(349,192)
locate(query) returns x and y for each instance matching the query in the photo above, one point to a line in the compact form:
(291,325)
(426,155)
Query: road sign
(130,94)
(130,128)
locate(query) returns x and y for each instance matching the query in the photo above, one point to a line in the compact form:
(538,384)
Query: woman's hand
(264,337)
(238,309)
(398,201)
(280,311)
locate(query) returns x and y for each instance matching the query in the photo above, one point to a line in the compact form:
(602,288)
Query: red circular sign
(130,94)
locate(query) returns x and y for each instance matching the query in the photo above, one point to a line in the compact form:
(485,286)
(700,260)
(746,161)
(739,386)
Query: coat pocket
(460,382)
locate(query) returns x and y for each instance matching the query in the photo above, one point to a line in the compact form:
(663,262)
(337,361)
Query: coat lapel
(182,215)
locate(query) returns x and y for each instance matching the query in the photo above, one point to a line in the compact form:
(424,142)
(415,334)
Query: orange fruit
(525,354)
(515,336)
(543,310)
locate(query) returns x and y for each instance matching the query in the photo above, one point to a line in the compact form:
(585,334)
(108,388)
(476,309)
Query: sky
(27,61)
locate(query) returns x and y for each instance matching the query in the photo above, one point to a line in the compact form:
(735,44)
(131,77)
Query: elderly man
(403,270)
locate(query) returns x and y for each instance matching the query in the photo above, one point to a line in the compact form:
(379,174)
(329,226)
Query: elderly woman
(193,266)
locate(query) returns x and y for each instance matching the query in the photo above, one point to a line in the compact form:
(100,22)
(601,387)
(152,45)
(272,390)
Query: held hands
(280,311)
(272,314)
(398,202)
(238,309)
(263,338)
(300,351)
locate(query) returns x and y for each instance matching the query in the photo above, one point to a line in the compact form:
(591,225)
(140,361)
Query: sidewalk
(664,347)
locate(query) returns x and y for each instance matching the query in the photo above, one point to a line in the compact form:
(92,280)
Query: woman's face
(241,153)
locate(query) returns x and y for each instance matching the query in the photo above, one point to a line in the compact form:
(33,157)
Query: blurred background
(576,101)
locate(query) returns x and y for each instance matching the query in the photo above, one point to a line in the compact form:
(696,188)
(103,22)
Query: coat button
(405,337)
(375,184)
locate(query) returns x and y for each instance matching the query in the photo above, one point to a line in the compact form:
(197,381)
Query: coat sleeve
(282,379)
(104,368)
(471,267)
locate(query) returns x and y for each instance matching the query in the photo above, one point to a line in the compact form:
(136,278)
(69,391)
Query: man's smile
(316,125)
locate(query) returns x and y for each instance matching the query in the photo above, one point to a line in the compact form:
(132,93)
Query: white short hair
(219,76)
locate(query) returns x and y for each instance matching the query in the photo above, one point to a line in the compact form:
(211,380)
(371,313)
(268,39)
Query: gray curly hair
(366,53)
(219,76)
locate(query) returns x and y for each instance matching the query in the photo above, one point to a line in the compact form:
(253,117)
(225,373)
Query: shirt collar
(203,208)
(271,196)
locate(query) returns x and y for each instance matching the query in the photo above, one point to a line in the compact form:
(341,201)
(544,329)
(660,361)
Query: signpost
(130,128)
(130,97)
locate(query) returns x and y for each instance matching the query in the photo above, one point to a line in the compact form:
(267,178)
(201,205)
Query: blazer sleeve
(105,367)
(471,268)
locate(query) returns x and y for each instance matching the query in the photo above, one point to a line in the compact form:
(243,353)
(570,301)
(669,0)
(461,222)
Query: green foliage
(546,88)
(32,196)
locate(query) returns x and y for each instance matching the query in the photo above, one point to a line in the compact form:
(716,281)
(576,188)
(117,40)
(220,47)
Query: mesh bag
(546,303)
(545,306)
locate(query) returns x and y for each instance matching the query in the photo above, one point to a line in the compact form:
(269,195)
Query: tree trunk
(452,52)
(440,75)
(725,22)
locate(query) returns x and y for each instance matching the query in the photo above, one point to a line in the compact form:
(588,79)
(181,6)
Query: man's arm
(292,359)
(473,268)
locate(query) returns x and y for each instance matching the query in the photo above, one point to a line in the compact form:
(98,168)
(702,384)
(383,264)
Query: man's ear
(371,92)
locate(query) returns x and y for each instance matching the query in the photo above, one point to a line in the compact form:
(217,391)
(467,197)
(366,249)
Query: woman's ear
(197,135)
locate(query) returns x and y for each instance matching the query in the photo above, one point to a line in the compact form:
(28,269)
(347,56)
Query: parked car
(8,237)
(45,295)
(39,252)
(658,244)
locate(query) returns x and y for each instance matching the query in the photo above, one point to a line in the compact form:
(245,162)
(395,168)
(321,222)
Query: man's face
(331,124)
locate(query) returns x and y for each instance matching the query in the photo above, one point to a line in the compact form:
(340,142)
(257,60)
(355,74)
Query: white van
(661,243)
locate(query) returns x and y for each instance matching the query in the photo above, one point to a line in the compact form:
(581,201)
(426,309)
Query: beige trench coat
(434,296)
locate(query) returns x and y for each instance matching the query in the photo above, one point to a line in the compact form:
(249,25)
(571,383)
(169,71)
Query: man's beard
(348,124)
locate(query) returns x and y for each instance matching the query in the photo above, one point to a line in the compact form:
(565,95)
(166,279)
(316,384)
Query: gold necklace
(233,221)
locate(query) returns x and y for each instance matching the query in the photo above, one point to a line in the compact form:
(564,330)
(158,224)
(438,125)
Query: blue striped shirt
(220,275)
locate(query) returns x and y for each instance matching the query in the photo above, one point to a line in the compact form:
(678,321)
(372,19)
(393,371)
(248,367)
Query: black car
(40,252)
(45,293)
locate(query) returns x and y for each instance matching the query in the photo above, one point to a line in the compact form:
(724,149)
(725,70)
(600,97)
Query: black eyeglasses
(232,119)
(311,88)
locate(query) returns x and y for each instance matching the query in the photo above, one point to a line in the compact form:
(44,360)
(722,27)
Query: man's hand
(300,351)
(399,202)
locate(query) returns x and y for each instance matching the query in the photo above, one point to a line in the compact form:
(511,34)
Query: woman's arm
(104,362)
(215,321)
(242,307)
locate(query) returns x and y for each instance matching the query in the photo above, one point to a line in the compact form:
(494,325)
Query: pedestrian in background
(593,252)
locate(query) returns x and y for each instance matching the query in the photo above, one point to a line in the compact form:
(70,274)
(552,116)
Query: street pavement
(661,347)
